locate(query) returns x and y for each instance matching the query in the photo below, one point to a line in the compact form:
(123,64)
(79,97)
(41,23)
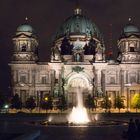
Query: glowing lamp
(46,98)
(6,106)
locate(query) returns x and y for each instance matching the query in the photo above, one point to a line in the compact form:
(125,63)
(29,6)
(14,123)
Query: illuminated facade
(77,60)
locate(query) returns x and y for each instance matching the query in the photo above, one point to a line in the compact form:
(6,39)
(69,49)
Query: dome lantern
(77,11)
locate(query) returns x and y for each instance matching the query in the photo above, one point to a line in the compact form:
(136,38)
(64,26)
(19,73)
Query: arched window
(23,49)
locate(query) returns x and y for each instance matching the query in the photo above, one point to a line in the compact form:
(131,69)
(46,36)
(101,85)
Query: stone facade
(77,60)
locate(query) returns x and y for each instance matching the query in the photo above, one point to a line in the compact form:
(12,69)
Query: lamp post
(6,107)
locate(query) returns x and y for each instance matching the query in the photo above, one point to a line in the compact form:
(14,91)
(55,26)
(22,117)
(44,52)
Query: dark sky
(47,15)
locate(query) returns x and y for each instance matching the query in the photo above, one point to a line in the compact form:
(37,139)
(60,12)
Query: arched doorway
(78,82)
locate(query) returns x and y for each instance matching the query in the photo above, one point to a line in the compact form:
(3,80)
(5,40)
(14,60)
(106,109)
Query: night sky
(46,16)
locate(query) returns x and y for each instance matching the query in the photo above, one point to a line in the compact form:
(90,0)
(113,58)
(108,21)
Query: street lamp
(46,98)
(6,107)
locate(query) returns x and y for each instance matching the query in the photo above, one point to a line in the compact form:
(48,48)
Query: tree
(136,102)
(30,103)
(119,103)
(90,102)
(62,104)
(3,101)
(16,102)
(47,103)
(106,103)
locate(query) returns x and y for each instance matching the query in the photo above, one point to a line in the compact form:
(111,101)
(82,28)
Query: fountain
(79,116)
(79,113)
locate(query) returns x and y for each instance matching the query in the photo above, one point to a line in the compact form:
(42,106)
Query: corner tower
(24,62)
(129,44)
(25,45)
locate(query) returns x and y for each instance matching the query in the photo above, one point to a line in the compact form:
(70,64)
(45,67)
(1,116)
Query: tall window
(56,80)
(132,46)
(112,80)
(23,95)
(23,78)
(132,79)
(132,49)
(23,49)
(43,80)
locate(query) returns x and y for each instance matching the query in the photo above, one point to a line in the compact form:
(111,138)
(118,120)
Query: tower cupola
(25,45)
(129,44)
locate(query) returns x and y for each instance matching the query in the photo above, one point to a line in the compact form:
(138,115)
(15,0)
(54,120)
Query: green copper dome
(131,29)
(76,25)
(25,28)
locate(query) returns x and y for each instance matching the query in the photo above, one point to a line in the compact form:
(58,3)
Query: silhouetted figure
(92,46)
(87,50)
(65,47)
(131,130)
(137,123)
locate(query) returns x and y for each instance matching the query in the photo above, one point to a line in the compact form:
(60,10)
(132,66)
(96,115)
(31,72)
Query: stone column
(128,99)
(30,76)
(95,82)
(138,79)
(126,76)
(60,81)
(103,81)
(52,80)
(122,82)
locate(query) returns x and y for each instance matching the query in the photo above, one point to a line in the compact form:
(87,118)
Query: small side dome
(25,28)
(130,29)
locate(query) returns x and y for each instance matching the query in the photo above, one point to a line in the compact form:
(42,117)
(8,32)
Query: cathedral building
(77,60)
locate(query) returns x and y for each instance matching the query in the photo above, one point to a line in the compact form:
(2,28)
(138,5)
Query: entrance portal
(75,83)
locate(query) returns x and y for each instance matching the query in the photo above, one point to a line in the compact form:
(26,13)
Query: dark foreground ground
(12,126)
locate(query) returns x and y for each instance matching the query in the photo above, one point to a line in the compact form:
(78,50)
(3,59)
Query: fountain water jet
(79,113)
